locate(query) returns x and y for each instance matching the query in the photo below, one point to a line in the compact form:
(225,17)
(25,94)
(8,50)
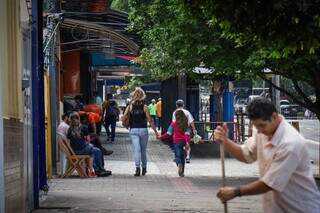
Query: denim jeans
(95,153)
(139,138)
(179,152)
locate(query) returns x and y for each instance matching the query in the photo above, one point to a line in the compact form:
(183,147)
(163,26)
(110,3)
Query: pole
(50,54)
(38,128)
(3,23)
(225,205)
(2,188)
(218,90)
(276,92)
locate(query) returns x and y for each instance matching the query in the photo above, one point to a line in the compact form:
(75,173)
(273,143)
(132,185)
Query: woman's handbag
(126,118)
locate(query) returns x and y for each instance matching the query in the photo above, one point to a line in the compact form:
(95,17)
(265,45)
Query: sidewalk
(161,190)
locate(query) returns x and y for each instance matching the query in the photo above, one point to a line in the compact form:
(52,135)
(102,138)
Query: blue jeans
(179,152)
(139,138)
(95,153)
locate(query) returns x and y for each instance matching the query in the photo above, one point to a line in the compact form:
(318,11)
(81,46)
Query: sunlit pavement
(161,190)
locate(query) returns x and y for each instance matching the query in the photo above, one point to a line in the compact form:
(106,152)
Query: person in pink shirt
(180,131)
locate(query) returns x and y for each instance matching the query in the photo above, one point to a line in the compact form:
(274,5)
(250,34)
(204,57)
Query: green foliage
(177,40)
(237,38)
(133,82)
(121,5)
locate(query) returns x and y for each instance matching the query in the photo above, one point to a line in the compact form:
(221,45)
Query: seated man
(62,132)
(80,147)
(63,127)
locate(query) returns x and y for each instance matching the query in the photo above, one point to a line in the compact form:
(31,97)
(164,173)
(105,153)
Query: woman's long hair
(75,125)
(181,120)
(138,96)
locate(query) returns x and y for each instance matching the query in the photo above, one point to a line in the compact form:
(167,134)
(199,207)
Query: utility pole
(276,92)
(218,89)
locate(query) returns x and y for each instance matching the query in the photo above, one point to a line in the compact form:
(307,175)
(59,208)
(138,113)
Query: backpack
(112,111)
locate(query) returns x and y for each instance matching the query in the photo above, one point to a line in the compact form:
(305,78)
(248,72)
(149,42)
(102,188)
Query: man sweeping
(286,179)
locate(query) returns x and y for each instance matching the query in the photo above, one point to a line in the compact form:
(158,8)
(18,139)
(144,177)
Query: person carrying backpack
(111,115)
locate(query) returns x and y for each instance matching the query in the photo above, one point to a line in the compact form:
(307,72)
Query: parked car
(284,102)
(251,97)
(289,110)
(241,105)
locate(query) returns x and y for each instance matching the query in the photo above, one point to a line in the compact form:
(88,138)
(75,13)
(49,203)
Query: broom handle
(225,205)
(220,118)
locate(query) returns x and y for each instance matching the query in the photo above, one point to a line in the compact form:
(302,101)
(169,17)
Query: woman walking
(138,117)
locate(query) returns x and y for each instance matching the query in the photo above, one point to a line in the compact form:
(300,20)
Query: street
(161,190)
(310,129)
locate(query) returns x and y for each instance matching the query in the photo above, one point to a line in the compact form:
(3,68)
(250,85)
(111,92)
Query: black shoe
(180,170)
(144,171)
(107,152)
(103,173)
(137,172)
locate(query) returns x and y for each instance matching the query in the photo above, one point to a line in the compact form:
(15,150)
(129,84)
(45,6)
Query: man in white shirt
(62,132)
(180,106)
(63,127)
(286,179)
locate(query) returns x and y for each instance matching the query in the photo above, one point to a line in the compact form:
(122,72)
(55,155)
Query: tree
(121,5)
(286,36)
(237,38)
(176,39)
(133,82)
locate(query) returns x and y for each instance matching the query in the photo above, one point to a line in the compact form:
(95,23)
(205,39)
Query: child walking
(181,138)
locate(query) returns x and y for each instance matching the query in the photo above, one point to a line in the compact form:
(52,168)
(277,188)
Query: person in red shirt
(94,120)
(180,131)
(94,108)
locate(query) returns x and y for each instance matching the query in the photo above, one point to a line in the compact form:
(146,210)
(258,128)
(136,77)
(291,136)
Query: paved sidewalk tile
(161,190)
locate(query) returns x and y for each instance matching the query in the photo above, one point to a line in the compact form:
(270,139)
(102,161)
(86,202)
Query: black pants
(159,123)
(110,125)
(154,118)
(98,126)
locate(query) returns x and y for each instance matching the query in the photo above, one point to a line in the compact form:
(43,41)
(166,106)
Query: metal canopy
(79,34)
(92,25)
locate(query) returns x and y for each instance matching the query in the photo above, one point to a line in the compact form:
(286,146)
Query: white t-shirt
(186,112)
(62,129)
(284,165)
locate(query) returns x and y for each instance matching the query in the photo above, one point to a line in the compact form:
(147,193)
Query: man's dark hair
(78,98)
(109,96)
(96,93)
(179,103)
(64,115)
(84,119)
(261,108)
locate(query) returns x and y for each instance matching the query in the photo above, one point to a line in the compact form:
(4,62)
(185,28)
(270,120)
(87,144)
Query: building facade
(15,112)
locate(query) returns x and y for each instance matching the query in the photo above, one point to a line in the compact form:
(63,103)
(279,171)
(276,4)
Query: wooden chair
(75,160)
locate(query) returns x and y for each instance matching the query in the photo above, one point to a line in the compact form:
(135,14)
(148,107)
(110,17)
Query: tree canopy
(236,38)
